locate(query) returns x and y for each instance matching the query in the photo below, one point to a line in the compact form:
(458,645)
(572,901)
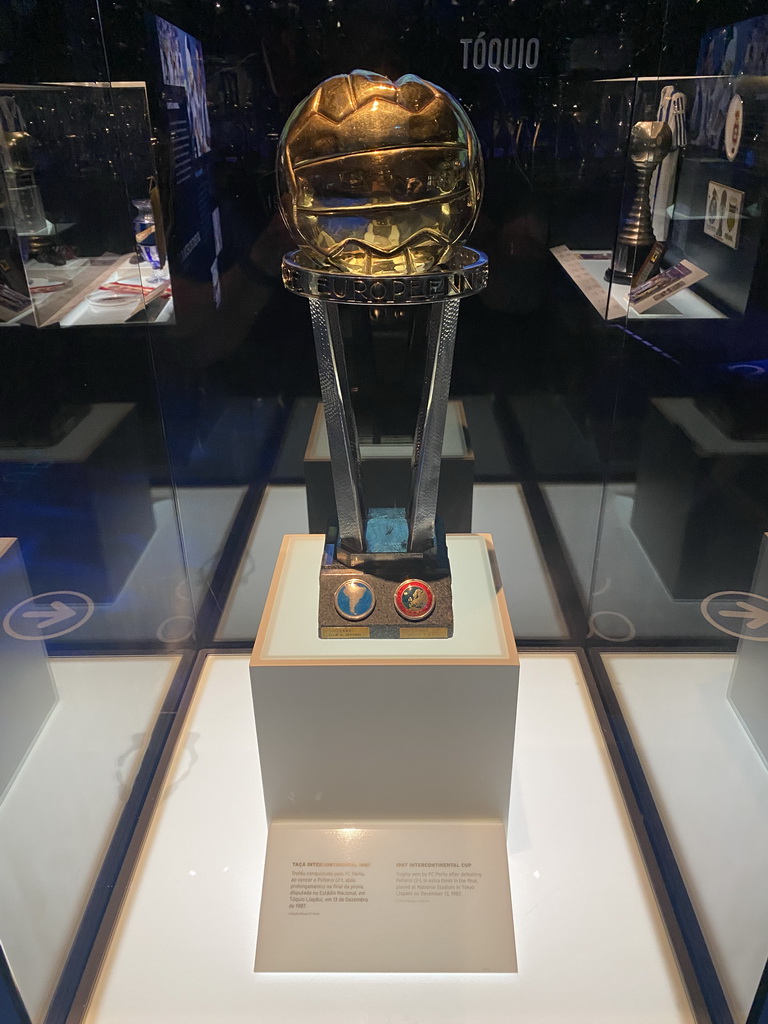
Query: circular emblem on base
(354,600)
(414,599)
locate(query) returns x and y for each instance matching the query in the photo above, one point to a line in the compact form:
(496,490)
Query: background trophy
(649,143)
(379,182)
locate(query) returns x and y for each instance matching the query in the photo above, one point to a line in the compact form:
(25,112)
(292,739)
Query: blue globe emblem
(355,600)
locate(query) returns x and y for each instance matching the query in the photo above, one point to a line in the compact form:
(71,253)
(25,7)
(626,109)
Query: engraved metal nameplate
(465,274)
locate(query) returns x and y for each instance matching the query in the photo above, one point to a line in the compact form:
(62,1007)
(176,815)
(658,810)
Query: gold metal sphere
(379,177)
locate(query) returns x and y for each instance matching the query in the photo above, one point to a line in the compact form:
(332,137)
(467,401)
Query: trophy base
(617,276)
(627,259)
(386,596)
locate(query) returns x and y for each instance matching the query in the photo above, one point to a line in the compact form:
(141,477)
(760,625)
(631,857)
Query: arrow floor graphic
(759,616)
(49,615)
(58,613)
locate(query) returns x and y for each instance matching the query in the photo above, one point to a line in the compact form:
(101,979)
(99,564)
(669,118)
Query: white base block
(385,729)
(354,734)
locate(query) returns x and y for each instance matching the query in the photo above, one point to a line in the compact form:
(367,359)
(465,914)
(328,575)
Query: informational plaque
(387,897)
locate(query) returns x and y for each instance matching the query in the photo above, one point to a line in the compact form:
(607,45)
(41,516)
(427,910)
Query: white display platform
(501,510)
(81,442)
(629,598)
(705,435)
(283,510)
(83,277)
(498,509)
(159,597)
(748,689)
(60,812)
(612,300)
(711,788)
(590,942)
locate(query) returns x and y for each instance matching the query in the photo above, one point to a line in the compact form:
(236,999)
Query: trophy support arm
(340,423)
(428,440)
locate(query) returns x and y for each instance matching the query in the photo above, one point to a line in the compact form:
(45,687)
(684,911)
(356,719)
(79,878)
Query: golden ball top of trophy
(379,177)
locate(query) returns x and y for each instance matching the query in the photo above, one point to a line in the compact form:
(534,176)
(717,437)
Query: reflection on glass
(69,154)
(16,152)
(58,815)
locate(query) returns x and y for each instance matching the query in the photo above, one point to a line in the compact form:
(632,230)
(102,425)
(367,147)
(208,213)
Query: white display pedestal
(612,301)
(89,496)
(59,815)
(711,789)
(748,690)
(27,691)
(387,765)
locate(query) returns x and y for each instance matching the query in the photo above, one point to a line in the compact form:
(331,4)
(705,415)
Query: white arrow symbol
(59,612)
(759,616)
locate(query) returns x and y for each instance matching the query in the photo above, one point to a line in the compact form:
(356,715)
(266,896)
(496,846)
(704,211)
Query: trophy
(23,193)
(649,143)
(379,182)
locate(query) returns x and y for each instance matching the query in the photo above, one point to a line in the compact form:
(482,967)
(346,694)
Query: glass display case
(207,810)
(70,151)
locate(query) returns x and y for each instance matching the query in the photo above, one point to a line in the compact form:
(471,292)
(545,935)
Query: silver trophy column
(385,572)
(342,429)
(340,423)
(430,427)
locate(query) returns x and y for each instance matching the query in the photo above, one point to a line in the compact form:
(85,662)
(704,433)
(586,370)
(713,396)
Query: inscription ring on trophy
(466,274)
